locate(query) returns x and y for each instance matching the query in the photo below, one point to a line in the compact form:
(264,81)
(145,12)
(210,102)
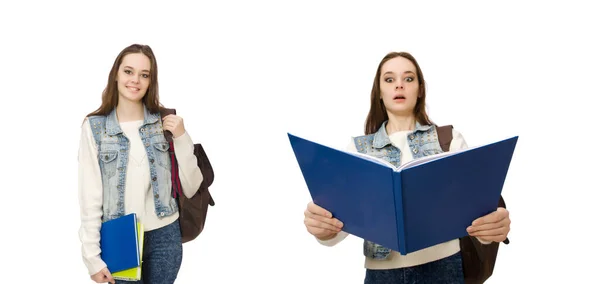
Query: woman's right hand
(320,222)
(103,276)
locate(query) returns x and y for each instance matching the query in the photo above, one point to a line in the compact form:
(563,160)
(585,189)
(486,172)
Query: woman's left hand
(174,124)
(493,227)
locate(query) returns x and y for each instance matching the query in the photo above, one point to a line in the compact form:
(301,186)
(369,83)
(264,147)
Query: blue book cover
(422,203)
(119,243)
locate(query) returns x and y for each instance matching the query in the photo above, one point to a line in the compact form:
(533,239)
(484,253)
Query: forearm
(90,202)
(189,172)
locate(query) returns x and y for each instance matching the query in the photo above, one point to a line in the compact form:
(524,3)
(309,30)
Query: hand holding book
(492,227)
(422,203)
(103,276)
(320,222)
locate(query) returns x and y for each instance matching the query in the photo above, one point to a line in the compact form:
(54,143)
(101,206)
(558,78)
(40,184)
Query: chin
(401,111)
(132,98)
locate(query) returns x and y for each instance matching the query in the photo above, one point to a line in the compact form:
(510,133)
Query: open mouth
(399,97)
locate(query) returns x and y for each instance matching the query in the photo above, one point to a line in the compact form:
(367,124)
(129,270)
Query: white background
(244,73)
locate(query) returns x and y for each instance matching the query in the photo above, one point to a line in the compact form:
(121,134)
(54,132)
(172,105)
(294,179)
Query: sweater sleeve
(189,172)
(90,200)
(458,141)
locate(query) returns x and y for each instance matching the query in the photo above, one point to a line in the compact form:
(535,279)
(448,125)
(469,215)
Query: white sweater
(395,259)
(138,192)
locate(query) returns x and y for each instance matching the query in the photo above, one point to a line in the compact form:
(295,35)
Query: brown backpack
(192,211)
(478,259)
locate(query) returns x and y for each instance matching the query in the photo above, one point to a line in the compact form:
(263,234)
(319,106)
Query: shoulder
(87,134)
(92,126)
(85,124)
(95,119)
(360,143)
(457,134)
(96,122)
(458,141)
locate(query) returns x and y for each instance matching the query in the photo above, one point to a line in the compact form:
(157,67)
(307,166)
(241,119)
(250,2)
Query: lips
(399,97)
(133,89)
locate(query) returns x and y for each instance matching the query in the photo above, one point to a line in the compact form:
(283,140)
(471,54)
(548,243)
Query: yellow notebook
(133,274)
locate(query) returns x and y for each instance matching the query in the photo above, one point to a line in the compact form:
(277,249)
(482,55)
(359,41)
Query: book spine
(399,205)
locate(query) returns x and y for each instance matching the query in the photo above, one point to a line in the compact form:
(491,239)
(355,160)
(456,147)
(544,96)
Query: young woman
(396,118)
(124,167)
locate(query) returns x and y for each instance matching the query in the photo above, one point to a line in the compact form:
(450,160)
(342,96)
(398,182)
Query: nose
(400,86)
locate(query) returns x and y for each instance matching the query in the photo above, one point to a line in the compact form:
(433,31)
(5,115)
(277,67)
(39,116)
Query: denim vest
(423,142)
(113,154)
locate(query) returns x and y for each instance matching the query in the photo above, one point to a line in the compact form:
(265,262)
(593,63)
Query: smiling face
(133,77)
(399,86)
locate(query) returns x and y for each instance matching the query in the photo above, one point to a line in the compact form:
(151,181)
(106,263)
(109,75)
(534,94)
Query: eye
(389,80)
(409,79)
(127,71)
(146,76)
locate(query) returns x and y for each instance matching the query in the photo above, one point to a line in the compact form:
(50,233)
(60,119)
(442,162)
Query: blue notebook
(425,202)
(119,243)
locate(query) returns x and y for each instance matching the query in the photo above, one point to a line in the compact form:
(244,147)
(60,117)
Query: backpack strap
(177,190)
(444,134)
(164,112)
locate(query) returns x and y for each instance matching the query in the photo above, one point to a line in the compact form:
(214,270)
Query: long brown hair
(377,113)
(110,95)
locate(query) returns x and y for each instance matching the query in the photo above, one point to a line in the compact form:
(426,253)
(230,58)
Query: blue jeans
(161,257)
(443,271)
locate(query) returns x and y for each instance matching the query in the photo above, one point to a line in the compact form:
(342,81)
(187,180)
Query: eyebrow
(405,72)
(133,68)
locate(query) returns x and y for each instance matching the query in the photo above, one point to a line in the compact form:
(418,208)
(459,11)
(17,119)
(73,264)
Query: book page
(429,158)
(373,159)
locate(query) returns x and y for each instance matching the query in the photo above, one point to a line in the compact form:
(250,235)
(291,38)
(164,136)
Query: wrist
(328,237)
(178,134)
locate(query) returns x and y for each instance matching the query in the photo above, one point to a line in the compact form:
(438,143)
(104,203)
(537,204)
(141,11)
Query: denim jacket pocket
(161,154)
(108,160)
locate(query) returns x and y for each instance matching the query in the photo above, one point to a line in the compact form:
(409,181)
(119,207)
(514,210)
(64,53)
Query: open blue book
(119,243)
(425,202)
